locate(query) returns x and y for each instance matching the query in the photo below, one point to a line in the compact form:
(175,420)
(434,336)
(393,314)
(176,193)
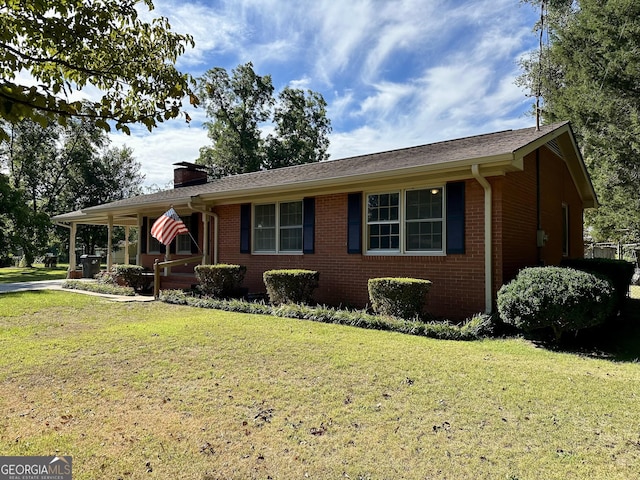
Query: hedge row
(480,326)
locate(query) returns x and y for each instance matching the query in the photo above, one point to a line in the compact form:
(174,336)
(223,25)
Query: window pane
(384,236)
(291,239)
(383,207)
(264,231)
(265,216)
(424,236)
(265,239)
(424,204)
(290,214)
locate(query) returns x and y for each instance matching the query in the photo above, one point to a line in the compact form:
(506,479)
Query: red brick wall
(517,196)
(557,187)
(518,239)
(458,280)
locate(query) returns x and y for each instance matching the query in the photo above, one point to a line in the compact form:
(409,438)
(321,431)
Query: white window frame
(402,221)
(565,230)
(278,228)
(390,222)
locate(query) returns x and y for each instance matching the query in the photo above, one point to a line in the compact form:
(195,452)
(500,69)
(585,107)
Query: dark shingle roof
(431,156)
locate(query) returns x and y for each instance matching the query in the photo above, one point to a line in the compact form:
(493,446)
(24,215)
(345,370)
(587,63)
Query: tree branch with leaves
(66,46)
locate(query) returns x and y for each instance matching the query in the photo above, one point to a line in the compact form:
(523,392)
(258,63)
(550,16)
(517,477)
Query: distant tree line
(588,71)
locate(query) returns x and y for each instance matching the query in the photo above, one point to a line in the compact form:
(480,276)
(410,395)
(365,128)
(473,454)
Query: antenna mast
(540,53)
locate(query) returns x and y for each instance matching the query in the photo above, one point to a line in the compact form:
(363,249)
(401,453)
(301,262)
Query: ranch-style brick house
(467,214)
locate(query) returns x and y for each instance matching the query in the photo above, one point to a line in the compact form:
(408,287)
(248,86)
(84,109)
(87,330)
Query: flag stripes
(167,227)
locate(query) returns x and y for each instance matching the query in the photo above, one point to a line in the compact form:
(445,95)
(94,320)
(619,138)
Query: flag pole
(194,241)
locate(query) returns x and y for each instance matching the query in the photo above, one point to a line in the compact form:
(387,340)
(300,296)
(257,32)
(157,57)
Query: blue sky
(394,73)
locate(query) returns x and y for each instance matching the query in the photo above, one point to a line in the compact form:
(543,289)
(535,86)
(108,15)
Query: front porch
(172,266)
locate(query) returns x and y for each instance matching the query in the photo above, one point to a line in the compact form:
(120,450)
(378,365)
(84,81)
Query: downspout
(488,213)
(215,230)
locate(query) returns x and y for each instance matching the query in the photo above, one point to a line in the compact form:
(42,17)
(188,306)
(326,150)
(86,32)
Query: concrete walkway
(57,285)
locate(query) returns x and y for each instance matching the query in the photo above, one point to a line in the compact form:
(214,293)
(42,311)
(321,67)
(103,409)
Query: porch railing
(169,263)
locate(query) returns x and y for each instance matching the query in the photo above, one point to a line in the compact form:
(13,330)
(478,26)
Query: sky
(394,73)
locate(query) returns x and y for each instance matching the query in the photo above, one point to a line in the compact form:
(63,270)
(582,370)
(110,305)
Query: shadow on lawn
(617,340)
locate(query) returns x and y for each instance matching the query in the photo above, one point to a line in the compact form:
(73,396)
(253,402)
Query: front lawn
(152,390)
(24,274)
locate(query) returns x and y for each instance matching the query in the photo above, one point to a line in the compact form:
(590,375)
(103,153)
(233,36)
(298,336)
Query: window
(405,222)
(565,230)
(183,241)
(423,220)
(291,227)
(383,221)
(277,227)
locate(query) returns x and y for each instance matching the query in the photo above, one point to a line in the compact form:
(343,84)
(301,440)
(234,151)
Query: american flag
(168,227)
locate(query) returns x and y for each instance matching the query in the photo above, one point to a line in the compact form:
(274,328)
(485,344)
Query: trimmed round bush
(562,299)
(290,286)
(221,280)
(398,297)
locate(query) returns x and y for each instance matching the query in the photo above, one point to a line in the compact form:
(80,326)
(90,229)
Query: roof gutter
(488,214)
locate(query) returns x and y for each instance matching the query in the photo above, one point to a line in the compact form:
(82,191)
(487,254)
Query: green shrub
(110,289)
(398,297)
(291,286)
(128,276)
(619,272)
(560,298)
(474,329)
(221,280)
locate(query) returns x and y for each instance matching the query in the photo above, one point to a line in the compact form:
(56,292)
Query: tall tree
(238,104)
(241,104)
(587,71)
(301,129)
(20,227)
(69,45)
(55,169)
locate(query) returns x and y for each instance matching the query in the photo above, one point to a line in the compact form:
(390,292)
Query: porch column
(140,240)
(205,239)
(72,248)
(126,245)
(110,243)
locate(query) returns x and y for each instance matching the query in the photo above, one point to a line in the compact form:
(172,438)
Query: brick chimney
(186,174)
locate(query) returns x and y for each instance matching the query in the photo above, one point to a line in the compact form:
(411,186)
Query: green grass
(13,275)
(162,391)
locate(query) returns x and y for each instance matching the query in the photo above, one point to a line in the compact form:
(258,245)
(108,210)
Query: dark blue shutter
(245,228)
(144,235)
(173,245)
(455,218)
(309,224)
(193,228)
(354,223)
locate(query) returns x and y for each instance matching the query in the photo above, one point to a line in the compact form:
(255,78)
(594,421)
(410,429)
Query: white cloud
(394,74)
(159,150)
